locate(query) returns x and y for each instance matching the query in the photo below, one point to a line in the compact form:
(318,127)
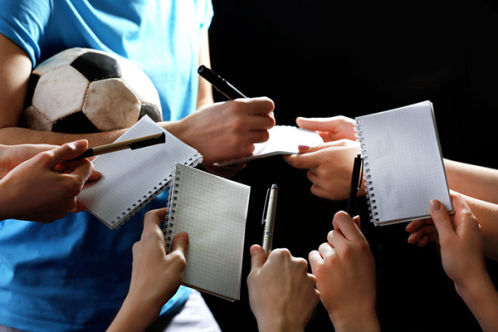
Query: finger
(83,171)
(423,242)
(463,214)
(66,152)
(259,105)
(345,224)
(357,221)
(315,259)
(441,220)
(258,256)
(413,226)
(303,161)
(180,243)
(154,218)
(325,250)
(317,124)
(95,176)
(426,230)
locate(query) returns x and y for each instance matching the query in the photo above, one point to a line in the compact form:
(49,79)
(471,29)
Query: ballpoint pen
(269,217)
(220,84)
(355,183)
(134,143)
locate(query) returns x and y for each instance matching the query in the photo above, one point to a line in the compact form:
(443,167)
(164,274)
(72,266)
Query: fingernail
(435,205)
(303,148)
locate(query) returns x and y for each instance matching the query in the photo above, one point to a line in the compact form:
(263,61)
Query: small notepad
(131,178)
(283,140)
(213,211)
(403,163)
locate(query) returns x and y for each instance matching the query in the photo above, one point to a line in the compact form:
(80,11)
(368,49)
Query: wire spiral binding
(151,194)
(371,200)
(169,224)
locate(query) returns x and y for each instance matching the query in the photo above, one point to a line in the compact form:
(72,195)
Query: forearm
(367,323)
(482,299)
(471,180)
(18,135)
(279,324)
(133,316)
(487,215)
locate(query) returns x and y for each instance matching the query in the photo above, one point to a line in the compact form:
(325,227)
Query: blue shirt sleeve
(23,22)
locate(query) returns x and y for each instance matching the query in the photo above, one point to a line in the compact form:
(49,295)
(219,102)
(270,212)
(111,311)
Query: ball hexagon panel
(110,104)
(67,96)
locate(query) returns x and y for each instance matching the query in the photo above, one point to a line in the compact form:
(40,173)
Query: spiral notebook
(213,211)
(131,178)
(403,163)
(283,140)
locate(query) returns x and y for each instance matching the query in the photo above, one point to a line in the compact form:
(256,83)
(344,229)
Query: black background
(319,58)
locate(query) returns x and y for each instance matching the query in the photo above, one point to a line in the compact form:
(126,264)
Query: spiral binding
(151,194)
(371,200)
(169,224)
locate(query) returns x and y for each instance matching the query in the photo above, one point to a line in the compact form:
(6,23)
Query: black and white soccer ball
(82,90)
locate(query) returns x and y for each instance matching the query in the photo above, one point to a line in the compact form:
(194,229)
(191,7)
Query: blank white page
(131,178)
(403,163)
(213,211)
(283,140)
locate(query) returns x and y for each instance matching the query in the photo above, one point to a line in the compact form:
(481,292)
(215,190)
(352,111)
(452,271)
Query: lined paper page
(213,211)
(132,177)
(405,164)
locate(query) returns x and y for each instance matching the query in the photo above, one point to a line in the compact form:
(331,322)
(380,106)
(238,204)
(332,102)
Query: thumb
(258,256)
(67,151)
(180,243)
(441,220)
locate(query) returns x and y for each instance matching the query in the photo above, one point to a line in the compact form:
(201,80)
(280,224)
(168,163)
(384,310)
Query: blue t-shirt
(74,273)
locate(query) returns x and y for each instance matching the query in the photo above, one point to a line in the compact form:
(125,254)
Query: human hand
(36,189)
(329,167)
(331,129)
(422,231)
(282,294)
(13,155)
(460,240)
(228,130)
(155,277)
(345,276)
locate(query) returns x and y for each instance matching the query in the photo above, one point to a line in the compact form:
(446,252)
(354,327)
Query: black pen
(134,143)
(220,84)
(355,180)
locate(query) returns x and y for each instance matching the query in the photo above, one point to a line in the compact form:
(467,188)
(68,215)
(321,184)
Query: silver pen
(269,217)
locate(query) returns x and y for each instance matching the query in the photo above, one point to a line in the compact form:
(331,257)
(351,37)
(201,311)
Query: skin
(462,258)
(39,184)
(220,131)
(282,294)
(156,275)
(345,276)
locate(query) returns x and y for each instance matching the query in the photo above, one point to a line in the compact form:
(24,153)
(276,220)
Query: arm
(44,188)
(282,294)
(220,131)
(345,276)
(463,262)
(205,94)
(471,180)
(155,276)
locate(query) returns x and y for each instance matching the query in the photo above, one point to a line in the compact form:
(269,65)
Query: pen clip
(265,209)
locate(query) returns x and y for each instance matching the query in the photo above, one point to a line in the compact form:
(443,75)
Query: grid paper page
(283,140)
(132,177)
(404,160)
(213,211)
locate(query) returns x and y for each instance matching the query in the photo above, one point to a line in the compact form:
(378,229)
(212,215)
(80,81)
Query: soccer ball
(82,90)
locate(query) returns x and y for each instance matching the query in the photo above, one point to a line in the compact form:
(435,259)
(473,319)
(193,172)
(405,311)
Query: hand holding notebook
(403,163)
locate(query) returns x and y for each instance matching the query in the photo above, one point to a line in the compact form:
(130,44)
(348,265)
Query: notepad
(283,140)
(403,163)
(131,178)
(213,211)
